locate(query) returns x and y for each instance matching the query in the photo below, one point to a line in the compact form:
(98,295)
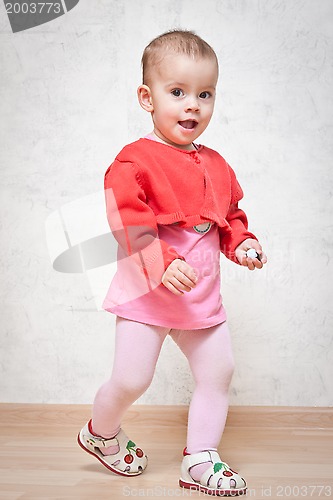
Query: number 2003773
(33,7)
(295,491)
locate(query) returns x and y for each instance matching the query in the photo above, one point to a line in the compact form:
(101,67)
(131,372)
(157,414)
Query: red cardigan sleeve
(133,223)
(236,218)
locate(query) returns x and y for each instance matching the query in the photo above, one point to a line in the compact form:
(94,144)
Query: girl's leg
(209,353)
(137,348)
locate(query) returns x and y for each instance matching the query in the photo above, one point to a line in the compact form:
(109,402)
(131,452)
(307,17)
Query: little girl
(172,205)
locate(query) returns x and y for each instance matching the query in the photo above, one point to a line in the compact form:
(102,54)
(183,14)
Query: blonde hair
(177,42)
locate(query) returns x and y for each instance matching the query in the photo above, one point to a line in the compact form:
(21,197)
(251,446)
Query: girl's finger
(172,288)
(177,283)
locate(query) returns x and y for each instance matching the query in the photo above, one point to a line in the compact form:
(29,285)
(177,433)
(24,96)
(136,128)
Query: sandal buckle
(105,443)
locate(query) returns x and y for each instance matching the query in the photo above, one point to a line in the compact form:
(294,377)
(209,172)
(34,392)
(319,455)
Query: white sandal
(128,461)
(218,480)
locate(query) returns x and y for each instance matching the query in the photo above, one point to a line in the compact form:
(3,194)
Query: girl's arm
(232,239)
(133,223)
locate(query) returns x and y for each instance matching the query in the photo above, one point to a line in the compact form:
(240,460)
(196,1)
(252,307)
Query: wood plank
(282,452)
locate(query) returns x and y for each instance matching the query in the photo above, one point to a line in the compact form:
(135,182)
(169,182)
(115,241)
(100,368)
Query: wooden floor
(282,453)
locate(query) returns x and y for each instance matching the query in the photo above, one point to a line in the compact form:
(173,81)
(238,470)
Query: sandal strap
(201,457)
(105,443)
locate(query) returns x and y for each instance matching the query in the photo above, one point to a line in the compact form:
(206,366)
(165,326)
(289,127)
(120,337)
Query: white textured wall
(69,104)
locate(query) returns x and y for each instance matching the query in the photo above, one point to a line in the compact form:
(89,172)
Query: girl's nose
(192,104)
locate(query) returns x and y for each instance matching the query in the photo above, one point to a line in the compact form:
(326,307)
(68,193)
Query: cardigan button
(196,158)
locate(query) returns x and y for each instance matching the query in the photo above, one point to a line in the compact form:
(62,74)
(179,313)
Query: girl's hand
(179,277)
(244,260)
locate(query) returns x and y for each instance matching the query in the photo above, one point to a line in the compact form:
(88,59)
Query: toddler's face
(182,96)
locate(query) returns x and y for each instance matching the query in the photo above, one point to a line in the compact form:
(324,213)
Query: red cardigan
(150,183)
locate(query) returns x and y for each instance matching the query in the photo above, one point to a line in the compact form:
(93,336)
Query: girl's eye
(177,92)
(204,95)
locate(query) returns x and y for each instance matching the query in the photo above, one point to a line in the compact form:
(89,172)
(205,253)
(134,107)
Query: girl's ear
(145,99)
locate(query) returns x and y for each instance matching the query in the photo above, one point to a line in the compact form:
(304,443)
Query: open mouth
(188,124)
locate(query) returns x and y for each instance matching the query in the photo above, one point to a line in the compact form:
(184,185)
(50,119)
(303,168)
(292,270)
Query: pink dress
(200,308)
